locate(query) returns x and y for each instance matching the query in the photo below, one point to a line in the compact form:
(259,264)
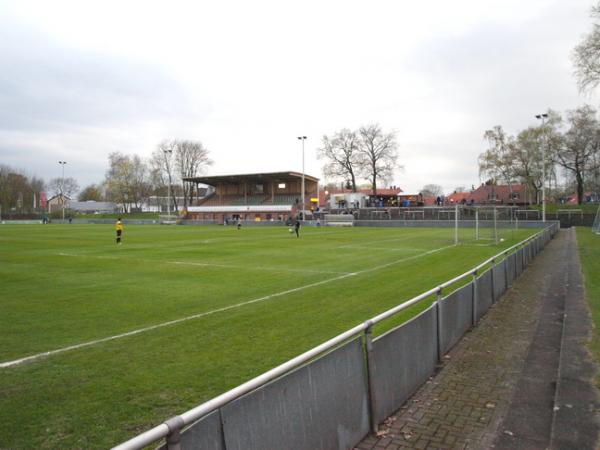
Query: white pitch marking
(274,269)
(386,249)
(205,264)
(383,266)
(15,362)
(165,324)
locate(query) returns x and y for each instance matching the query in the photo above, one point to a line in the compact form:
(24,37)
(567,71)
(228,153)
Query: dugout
(255,197)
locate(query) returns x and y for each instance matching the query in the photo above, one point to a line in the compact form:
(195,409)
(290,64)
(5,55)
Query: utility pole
(303,138)
(62,188)
(543,118)
(168,153)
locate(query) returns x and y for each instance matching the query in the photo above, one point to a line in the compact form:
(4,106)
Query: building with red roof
(515,194)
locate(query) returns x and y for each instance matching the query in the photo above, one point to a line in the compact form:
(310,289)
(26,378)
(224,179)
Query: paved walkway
(507,384)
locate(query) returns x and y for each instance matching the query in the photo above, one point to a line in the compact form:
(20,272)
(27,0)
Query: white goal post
(596,224)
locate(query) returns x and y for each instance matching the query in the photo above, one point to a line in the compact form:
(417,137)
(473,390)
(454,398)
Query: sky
(80,80)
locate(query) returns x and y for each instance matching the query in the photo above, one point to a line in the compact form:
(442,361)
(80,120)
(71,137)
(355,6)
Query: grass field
(589,253)
(251,299)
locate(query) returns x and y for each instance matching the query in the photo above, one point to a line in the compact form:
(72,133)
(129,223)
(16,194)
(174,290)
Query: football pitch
(100,342)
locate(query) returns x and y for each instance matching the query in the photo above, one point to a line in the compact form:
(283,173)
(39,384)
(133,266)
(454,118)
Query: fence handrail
(192,415)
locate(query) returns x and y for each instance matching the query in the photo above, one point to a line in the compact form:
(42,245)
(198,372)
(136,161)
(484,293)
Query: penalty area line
(16,362)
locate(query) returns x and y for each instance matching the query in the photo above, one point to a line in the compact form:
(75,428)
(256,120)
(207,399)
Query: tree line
(129,181)
(570,144)
(538,152)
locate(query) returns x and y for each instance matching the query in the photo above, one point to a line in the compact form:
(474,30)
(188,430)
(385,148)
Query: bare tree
(341,153)
(191,159)
(379,154)
(93,192)
(528,159)
(432,190)
(66,187)
(586,56)
(161,164)
(174,160)
(127,180)
(497,162)
(581,145)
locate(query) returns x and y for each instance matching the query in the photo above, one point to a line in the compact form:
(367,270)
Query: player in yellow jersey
(119,228)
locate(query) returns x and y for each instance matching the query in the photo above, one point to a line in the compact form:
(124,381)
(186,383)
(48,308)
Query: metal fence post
(439,325)
(493,281)
(370,387)
(175,425)
(474,284)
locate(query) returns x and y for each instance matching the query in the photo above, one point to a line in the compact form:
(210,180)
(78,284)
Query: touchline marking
(4,365)
(166,324)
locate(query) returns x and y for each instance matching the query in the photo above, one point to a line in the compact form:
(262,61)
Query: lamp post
(543,118)
(168,153)
(303,138)
(62,188)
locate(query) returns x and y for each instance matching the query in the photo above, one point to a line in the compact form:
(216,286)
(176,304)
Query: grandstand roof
(253,177)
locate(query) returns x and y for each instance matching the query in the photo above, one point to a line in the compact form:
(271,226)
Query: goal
(169,219)
(596,225)
(339,220)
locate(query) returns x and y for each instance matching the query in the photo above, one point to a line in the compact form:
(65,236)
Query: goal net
(493,223)
(168,219)
(596,224)
(338,220)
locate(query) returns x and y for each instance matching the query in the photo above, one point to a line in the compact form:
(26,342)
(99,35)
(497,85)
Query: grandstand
(254,197)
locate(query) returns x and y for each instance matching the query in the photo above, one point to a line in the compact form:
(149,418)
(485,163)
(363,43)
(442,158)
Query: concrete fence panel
(499,279)
(519,261)
(510,268)
(484,293)
(402,360)
(322,405)
(456,312)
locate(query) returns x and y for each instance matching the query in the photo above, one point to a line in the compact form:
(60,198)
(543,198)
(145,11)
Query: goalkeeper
(119,229)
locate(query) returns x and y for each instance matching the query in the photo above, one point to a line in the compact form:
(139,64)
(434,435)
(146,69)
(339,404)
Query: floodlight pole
(168,152)
(303,138)
(495,226)
(543,117)
(456,224)
(62,188)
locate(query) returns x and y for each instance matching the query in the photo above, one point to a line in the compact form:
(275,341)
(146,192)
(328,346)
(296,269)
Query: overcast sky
(79,80)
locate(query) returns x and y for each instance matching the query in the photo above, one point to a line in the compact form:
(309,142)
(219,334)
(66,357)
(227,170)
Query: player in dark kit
(297,228)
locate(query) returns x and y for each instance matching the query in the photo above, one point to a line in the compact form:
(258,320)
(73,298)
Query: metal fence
(331,396)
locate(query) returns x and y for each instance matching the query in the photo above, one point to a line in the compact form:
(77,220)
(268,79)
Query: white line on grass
(385,249)
(37,356)
(171,322)
(262,268)
(206,264)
